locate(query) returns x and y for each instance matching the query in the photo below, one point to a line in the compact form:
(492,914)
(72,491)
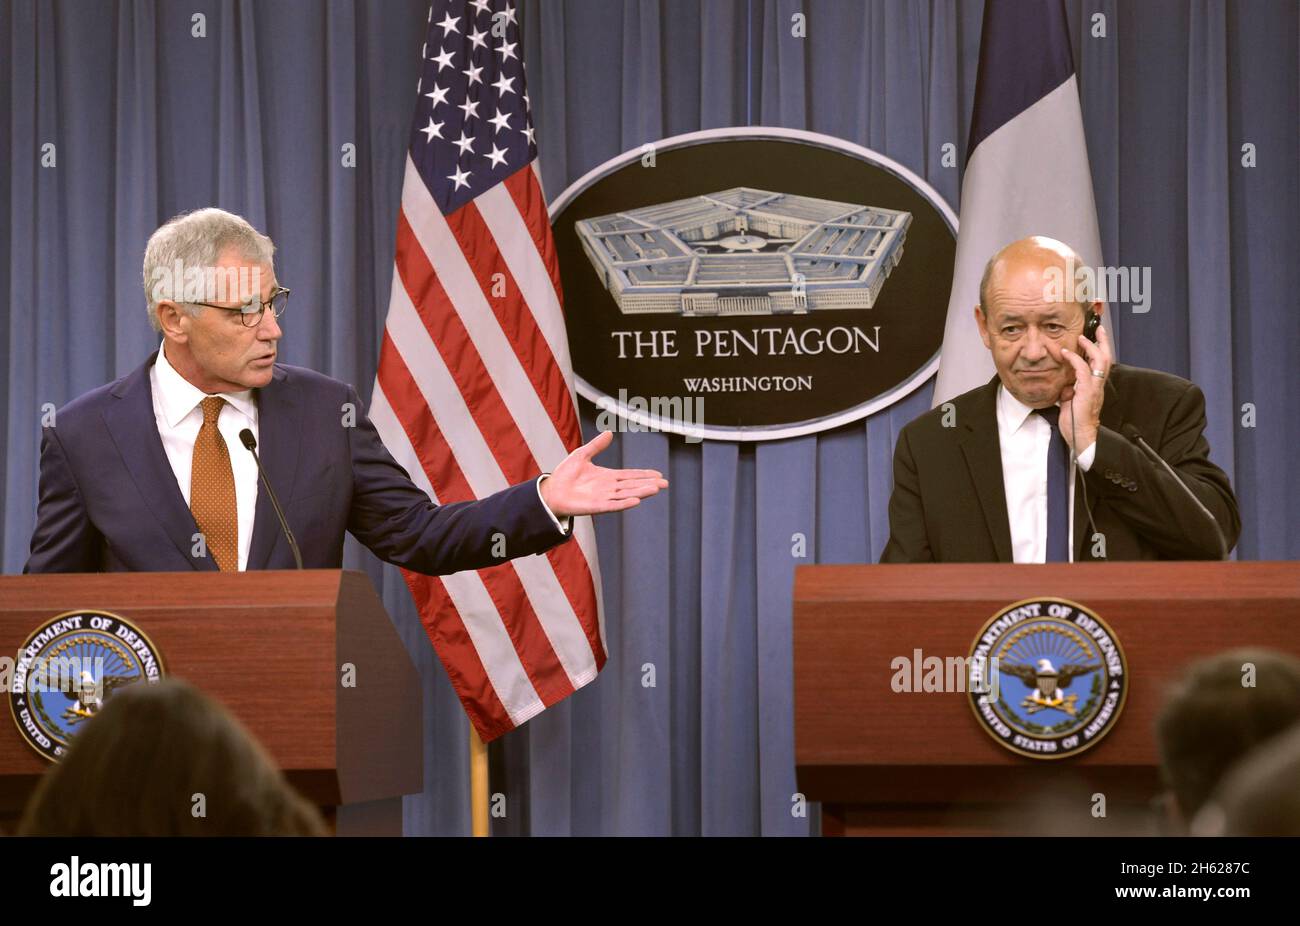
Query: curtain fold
(1209,283)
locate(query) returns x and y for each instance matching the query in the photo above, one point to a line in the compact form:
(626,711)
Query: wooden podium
(886,762)
(271,646)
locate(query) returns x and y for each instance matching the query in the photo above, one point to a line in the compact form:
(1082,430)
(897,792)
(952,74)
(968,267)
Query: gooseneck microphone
(250,443)
(1134,435)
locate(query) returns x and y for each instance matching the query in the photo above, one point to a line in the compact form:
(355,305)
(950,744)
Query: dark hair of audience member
(1211,719)
(152,759)
(1260,796)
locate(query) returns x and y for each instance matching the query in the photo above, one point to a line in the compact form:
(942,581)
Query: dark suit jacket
(109,500)
(949,504)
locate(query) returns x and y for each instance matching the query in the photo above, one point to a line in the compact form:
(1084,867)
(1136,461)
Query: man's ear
(170,317)
(1098,307)
(982,324)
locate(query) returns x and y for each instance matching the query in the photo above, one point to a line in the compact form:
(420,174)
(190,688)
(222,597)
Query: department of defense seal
(68,668)
(1062,678)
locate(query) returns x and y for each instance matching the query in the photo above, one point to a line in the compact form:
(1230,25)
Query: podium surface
(275,648)
(883,761)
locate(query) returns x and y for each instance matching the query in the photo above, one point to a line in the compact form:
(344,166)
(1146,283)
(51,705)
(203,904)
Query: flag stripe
(526,193)
(478,373)
(1024,55)
(474,473)
(532,349)
(549,678)
(570,569)
(584,534)
(537,271)
(471,380)
(487,672)
(499,370)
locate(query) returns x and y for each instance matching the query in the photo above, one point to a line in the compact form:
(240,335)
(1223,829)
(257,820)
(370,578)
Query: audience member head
(1218,711)
(166,760)
(1260,796)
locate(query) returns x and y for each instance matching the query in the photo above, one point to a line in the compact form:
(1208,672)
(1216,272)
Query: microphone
(1134,435)
(250,443)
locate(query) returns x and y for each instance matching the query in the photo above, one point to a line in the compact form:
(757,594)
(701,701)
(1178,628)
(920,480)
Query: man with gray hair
(148,473)
(1045,463)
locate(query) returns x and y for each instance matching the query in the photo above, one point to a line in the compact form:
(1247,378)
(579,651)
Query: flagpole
(478,784)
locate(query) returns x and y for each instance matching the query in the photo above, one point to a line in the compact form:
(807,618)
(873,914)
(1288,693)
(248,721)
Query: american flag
(475,388)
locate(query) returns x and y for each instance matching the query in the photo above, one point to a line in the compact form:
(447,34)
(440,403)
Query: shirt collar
(180,397)
(1012,413)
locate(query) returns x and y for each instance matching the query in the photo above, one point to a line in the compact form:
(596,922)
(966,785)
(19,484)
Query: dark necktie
(212,489)
(1058,496)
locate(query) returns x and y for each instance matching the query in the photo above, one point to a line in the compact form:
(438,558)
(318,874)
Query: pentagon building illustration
(745,252)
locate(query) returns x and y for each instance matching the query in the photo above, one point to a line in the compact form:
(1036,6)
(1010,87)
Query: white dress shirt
(179,417)
(1023,438)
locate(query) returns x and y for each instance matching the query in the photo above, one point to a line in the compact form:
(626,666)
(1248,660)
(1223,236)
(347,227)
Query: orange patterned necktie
(212,490)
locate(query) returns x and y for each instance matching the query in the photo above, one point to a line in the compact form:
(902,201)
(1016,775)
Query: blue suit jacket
(109,500)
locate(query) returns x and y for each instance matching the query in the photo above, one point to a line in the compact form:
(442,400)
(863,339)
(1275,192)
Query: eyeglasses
(250,313)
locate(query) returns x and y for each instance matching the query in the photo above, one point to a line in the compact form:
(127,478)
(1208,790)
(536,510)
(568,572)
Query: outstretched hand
(579,486)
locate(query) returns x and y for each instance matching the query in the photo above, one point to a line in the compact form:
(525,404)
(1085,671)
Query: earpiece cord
(1083,481)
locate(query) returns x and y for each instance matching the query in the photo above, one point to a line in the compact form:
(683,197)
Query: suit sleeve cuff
(563,526)
(1086,458)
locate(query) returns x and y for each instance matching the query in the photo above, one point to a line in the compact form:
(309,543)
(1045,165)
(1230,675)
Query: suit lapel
(131,423)
(979,442)
(278,442)
(1112,419)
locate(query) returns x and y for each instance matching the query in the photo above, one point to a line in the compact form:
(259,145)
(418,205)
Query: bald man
(1037,465)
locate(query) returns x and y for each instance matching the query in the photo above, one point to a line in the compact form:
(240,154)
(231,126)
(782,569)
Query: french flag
(1026,169)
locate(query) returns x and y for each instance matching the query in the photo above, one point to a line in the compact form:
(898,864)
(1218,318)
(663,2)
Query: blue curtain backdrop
(147,120)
